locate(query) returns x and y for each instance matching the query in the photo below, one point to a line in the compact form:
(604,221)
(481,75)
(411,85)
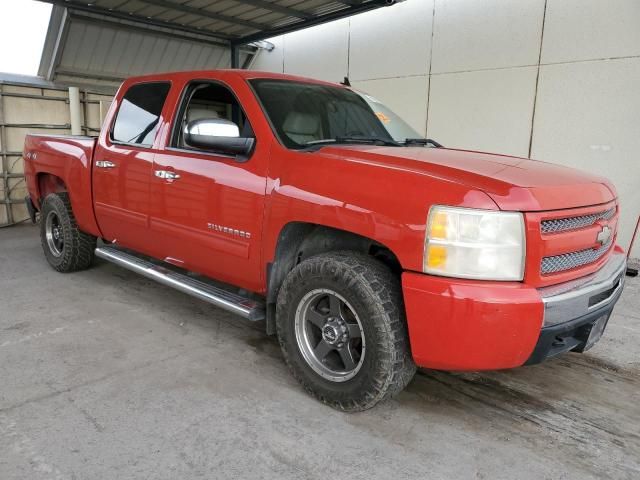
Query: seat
(302,127)
(199,113)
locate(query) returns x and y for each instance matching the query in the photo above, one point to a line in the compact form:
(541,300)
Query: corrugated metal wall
(35,109)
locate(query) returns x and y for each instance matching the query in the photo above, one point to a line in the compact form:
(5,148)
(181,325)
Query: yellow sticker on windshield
(383,118)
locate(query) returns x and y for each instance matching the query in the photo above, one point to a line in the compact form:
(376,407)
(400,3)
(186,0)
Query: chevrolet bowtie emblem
(603,235)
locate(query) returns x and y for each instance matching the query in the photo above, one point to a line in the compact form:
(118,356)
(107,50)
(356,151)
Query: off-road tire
(78,250)
(375,294)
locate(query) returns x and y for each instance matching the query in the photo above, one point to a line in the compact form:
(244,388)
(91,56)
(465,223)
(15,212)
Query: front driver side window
(210,109)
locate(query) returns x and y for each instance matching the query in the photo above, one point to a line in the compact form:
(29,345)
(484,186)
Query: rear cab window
(138,117)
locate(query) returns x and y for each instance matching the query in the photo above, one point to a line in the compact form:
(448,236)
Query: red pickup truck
(313,207)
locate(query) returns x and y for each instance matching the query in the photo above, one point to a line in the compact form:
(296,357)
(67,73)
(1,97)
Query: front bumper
(459,324)
(572,309)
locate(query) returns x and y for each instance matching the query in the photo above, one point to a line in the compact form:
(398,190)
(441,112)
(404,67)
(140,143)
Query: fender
(60,163)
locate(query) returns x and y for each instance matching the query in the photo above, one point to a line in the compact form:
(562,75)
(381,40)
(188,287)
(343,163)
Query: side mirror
(217,134)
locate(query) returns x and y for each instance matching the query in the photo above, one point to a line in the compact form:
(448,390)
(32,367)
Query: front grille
(557,225)
(567,261)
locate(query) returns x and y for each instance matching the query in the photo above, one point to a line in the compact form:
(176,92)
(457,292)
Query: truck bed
(54,163)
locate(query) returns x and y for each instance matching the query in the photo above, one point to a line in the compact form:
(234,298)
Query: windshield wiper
(421,141)
(347,140)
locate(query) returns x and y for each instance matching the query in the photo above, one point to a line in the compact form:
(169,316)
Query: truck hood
(513,183)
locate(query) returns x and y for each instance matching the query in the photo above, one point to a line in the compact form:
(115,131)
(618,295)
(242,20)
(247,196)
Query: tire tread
(382,287)
(79,246)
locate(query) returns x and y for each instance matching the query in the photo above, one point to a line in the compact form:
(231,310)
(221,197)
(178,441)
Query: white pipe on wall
(75,111)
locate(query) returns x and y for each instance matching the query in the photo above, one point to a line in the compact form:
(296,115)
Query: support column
(4,170)
(75,111)
(235,56)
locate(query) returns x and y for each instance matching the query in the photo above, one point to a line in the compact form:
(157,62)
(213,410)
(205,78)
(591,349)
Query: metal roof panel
(110,39)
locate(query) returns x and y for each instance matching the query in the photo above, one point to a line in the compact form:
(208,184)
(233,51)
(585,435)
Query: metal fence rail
(12,185)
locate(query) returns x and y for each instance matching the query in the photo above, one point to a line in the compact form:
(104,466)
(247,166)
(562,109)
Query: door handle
(167,175)
(105,164)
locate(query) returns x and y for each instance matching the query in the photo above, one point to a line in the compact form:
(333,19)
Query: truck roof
(246,74)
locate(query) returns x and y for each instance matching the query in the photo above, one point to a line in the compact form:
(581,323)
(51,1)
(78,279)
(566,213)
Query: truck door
(123,162)
(207,204)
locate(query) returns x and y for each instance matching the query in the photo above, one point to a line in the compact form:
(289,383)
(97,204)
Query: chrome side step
(232,302)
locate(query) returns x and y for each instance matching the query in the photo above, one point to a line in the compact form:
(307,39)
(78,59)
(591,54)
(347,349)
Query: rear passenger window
(139,114)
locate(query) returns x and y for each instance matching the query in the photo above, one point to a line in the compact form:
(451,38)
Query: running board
(232,302)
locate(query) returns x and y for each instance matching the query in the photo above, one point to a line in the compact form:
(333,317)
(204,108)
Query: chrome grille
(574,223)
(567,261)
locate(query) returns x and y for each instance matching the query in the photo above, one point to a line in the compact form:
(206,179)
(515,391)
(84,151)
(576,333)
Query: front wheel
(341,327)
(65,246)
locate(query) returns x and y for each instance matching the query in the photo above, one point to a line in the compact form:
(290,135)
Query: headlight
(477,244)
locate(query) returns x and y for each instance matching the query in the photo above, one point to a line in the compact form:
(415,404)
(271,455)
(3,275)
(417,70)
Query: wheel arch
(49,183)
(80,196)
(298,241)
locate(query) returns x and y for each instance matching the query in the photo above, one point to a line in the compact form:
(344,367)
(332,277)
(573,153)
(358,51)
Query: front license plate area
(596,331)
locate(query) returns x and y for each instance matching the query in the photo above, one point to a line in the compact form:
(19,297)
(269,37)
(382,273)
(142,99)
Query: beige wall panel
(104,110)
(272,61)
(405,96)
(318,52)
(20,110)
(93,116)
(18,188)
(19,211)
(591,29)
(31,110)
(482,34)
(98,97)
(391,42)
(56,93)
(588,116)
(16,164)
(20,89)
(485,110)
(15,136)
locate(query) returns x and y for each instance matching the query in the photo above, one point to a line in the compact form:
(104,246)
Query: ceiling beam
(315,20)
(143,29)
(105,77)
(48,70)
(178,7)
(291,12)
(83,7)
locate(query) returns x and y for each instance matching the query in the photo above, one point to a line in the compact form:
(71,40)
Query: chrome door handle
(105,164)
(167,175)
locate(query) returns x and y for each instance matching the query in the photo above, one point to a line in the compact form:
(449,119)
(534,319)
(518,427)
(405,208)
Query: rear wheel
(341,327)
(66,248)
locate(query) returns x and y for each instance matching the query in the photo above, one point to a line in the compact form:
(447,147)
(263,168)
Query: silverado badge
(231,231)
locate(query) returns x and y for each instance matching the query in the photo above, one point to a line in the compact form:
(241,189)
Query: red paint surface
(470,325)
(62,161)
(379,192)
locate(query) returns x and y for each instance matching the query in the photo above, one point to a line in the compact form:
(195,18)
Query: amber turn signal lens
(438,227)
(436,256)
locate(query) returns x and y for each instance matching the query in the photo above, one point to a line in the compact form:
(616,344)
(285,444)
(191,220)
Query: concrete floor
(105,375)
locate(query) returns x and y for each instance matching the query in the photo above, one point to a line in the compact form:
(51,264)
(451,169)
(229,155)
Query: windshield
(304,114)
